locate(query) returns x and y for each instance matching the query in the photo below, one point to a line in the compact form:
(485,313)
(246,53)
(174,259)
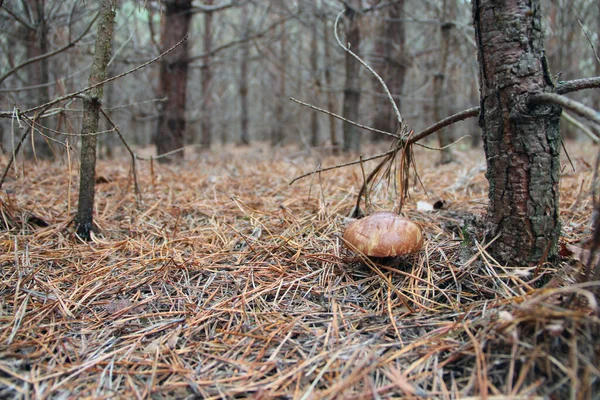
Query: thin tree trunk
(335,144)
(440,81)
(521,144)
(278,126)
(92,102)
(352,84)
(206,123)
(171,125)
(314,66)
(243,90)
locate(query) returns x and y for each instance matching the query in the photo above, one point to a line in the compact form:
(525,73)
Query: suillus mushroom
(383,234)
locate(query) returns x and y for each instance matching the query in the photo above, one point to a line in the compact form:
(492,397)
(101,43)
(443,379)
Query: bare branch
(567,103)
(460,116)
(50,54)
(368,128)
(217,7)
(245,39)
(364,64)
(471,112)
(8,114)
(581,127)
(578,84)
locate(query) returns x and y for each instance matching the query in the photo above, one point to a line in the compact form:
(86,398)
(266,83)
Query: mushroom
(383,234)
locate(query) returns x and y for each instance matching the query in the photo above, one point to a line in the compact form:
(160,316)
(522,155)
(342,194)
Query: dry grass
(226,283)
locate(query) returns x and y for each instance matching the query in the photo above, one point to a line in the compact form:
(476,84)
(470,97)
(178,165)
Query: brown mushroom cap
(383,234)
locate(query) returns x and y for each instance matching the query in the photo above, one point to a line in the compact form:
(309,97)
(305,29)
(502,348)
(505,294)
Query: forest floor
(223,281)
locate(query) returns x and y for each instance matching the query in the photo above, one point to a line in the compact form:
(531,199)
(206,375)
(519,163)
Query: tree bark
(171,126)
(39,73)
(335,144)
(206,123)
(352,84)
(314,66)
(92,101)
(243,89)
(389,62)
(440,81)
(521,144)
(278,126)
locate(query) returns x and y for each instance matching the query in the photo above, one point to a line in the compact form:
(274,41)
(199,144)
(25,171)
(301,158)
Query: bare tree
(205,88)
(352,83)
(243,85)
(92,102)
(439,81)
(170,130)
(521,143)
(389,62)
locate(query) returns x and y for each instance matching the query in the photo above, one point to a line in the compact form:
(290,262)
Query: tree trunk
(39,73)
(243,90)
(173,80)
(521,144)
(278,126)
(314,66)
(206,123)
(440,81)
(352,83)
(389,62)
(335,144)
(92,101)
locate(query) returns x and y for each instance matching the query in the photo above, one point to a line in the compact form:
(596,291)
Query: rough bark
(352,84)
(171,125)
(389,62)
(521,144)
(206,122)
(92,101)
(440,81)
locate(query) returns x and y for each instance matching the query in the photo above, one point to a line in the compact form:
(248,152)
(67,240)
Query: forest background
(195,249)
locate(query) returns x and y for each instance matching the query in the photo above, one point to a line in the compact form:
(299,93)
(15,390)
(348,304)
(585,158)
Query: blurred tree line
(230,82)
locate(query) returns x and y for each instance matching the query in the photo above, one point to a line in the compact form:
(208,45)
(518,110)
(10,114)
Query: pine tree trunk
(521,144)
(352,84)
(92,102)
(243,89)
(440,81)
(314,66)
(39,74)
(206,123)
(278,126)
(389,62)
(171,126)
(335,144)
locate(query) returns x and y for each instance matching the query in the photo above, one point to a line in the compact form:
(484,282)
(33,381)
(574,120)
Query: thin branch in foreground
(567,103)
(8,114)
(471,112)
(368,128)
(371,70)
(138,193)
